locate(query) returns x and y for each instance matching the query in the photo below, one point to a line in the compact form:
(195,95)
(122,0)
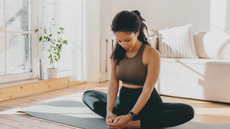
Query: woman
(137,65)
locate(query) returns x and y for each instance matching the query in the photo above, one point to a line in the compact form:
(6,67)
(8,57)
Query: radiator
(106,47)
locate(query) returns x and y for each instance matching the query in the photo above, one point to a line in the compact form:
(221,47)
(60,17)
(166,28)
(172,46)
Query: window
(17,53)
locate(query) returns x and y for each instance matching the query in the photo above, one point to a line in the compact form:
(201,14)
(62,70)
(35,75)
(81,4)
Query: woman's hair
(128,22)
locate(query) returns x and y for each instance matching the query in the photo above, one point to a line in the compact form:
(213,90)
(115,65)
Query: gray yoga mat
(75,113)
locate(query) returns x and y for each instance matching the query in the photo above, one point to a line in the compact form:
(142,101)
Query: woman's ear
(137,33)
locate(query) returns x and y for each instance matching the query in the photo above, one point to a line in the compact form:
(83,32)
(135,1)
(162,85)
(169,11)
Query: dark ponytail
(126,21)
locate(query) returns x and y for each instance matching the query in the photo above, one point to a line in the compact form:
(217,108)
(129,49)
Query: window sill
(2,85)
(60,75)
(30,87)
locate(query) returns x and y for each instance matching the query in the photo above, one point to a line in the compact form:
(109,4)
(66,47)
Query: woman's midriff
(132,86)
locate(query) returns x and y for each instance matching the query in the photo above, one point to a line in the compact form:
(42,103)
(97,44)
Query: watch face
(132,114)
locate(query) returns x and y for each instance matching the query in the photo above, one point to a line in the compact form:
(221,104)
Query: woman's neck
(137,46)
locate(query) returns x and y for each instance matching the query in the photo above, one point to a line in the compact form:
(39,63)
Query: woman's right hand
(110,117)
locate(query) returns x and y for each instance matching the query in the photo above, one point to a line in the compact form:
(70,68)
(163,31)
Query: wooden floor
(206,112)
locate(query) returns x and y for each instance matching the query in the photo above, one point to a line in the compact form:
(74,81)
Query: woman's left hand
(120,122)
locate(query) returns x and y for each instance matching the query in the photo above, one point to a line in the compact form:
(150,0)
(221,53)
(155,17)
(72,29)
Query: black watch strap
(132,113)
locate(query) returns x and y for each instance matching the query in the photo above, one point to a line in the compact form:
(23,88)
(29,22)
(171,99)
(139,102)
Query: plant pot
(52,73)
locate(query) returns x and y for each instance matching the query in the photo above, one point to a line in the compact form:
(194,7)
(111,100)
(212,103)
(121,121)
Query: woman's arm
(153,70)
(113,88)
(111,97)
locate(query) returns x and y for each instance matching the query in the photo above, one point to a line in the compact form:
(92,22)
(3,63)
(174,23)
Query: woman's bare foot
(133,124)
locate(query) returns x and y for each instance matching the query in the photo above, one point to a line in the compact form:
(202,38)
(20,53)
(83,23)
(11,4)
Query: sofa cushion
(212,45)
(177,42)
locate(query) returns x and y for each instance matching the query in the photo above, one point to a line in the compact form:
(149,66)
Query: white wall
(106,16)
(206,15)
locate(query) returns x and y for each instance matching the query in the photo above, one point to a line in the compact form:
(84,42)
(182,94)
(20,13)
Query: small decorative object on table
(40,72)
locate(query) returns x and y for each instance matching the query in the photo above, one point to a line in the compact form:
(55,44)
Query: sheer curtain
(64,12)
(85,57)
(80,58)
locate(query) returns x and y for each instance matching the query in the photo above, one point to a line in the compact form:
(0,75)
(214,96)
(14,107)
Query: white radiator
(106,47)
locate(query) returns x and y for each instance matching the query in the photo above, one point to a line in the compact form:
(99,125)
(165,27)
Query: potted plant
(56,41)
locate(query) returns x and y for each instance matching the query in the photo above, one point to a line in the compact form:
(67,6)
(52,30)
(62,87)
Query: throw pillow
(177,42)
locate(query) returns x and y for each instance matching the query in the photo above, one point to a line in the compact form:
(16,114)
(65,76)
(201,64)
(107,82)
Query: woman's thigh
(180,108)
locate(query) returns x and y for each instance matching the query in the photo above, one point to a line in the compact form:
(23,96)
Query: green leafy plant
(55,40)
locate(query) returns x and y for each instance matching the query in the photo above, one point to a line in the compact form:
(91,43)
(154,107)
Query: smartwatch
(132,113)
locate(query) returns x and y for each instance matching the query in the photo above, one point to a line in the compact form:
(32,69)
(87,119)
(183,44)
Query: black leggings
(155,113)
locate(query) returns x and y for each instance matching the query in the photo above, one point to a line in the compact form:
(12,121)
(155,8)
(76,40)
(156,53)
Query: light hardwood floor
(206,112)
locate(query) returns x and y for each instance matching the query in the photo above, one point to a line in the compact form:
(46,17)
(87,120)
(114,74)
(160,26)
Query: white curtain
(66,15)
(85,57)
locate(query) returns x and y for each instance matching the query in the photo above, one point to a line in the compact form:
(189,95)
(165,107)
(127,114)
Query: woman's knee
(93,94)
(87,94)
(188,111)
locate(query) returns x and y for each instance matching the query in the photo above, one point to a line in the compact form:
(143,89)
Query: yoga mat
(71,112)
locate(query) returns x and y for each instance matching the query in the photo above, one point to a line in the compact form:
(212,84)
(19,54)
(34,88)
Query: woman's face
(126,39)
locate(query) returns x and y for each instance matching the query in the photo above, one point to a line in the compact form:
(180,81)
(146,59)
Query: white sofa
(206,78)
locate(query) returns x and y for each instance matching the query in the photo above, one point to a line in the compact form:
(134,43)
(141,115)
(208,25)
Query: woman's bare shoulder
(150,53)
(148,49)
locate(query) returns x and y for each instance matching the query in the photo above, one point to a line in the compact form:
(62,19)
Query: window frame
(35,45)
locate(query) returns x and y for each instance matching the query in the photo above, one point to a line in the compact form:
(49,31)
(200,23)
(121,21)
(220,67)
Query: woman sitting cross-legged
(137,65)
